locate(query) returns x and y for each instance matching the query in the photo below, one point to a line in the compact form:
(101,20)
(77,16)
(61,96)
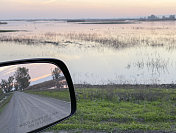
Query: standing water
(140,53)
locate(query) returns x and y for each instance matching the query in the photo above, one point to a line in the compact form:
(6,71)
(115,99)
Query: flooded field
(140,53)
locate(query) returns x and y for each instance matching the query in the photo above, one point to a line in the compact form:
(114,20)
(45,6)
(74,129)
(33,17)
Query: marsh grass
(123,110)
(28,40)
(126,94)
(116,37)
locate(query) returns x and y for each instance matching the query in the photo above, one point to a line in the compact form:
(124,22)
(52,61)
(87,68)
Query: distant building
(164,17)
(152,17)
(172,17)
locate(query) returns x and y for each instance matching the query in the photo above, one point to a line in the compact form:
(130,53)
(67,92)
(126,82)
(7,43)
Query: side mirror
(34,95)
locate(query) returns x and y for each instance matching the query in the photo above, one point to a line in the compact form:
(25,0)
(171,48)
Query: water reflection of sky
(150,61)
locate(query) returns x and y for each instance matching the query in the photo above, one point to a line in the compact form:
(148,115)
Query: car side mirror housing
(34,94)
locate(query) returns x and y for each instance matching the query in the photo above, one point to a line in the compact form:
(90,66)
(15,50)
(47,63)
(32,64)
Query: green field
(120,109)
(58,94)
(123,109)
(4,102)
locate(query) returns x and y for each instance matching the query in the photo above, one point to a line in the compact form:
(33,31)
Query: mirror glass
(32,96)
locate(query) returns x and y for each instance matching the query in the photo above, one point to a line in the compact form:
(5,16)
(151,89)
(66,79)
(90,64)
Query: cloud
(41,77)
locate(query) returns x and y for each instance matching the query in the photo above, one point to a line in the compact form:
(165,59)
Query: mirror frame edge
(67,75)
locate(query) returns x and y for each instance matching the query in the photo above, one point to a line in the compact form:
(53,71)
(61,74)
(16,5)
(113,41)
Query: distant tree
(22,78)
(16,86)
(7,85)
(56,73)
(4,84)
(1,91)
(10,83)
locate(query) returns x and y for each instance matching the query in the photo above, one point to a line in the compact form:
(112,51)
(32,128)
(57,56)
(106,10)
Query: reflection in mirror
(32,96)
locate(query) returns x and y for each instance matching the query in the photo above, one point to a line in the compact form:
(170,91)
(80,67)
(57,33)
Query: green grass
(4,103)
(122,109)
(1,94)
(58,94)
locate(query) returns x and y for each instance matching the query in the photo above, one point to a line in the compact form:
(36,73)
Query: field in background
(124,109)
(49,89)
(58,94)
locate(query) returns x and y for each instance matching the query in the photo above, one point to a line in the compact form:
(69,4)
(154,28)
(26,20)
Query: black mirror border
(66,73)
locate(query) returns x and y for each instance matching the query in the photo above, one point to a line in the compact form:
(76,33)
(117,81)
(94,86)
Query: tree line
(19,81)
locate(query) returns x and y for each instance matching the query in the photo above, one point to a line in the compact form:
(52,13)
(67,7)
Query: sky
(37,71)
(63,9)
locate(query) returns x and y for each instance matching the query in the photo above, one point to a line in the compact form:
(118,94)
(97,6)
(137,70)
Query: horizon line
(89,18)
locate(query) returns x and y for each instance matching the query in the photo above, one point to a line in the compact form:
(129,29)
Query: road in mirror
(32,96)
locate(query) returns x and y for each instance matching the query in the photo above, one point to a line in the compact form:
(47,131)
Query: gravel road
(26,112)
